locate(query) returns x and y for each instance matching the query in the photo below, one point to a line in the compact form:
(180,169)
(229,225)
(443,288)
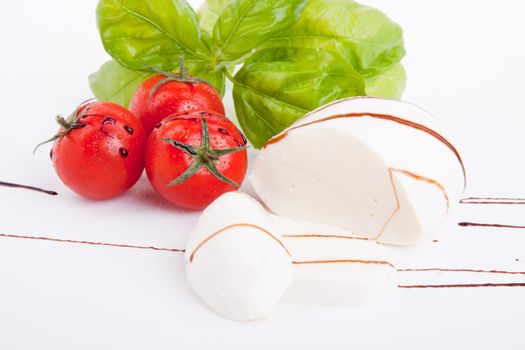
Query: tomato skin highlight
(171,98)
(104,158)
(165,163)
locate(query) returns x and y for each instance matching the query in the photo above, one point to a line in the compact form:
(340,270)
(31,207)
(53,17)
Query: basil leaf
(389,84)
(245,24)
(209,12)
(362,35)
(148,32)
(115,83)
(276,87)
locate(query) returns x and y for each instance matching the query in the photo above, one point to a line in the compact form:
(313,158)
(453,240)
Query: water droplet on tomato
(128,129)
(123,152)
(243,139)
(223,131)
(109,120)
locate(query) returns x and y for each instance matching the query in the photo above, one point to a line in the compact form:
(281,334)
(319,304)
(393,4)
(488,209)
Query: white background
(466,63)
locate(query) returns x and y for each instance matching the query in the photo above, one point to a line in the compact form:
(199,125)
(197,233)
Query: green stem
(229,76)
(183,70)
(68,125)
(221,64)
(62,122)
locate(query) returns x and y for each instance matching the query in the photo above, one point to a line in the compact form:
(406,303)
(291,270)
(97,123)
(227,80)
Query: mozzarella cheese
(383,169)
(332,266)
(235,259)
(241,261)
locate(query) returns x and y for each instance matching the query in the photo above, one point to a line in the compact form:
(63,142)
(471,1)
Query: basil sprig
(296,55)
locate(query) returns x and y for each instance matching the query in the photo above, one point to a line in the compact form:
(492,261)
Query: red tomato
(99,151)
(166,94)
(194,157)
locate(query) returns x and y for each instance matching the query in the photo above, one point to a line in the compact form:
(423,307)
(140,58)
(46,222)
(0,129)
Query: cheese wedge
(235,259)
(383,169)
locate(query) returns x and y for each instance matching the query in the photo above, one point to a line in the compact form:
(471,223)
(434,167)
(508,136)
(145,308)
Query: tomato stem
(62,122)
(182,77)
(203,156)
(68,125)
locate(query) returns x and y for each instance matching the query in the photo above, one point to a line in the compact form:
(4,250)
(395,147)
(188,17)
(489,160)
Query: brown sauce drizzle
(421,178)
(372,262)
(30,188)
(383,117)
(70,241)
(433,182)
(473,285)
(59,240)
(489,200)
(476,224)
(463,270)
(224,229)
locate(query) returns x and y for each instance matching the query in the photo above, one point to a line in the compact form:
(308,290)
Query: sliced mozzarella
(381,168)
(332,266)
(235,259)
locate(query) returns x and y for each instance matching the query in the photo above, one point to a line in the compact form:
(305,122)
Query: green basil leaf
(246,24)
(115,83)
(148,32)
(276,87)
(209,12)
(362,35)
(389,84)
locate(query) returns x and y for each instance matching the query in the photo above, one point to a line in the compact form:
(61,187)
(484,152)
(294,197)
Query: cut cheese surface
(380,168)
(332,266)
(340,283)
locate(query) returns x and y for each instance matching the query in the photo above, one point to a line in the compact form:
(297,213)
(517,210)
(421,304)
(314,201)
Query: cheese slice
(332,266)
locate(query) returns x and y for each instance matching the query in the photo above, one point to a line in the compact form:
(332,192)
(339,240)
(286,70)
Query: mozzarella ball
(235,259)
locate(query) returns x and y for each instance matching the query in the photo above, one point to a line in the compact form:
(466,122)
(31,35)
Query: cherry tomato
(99,150)
(166,94)
(193,158)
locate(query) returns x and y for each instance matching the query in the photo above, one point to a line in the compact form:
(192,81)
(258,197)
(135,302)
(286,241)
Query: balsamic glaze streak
(477,224)
(489,200)
(30,188)
(59,240)
(462,270)
(440,286)
(474,285)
